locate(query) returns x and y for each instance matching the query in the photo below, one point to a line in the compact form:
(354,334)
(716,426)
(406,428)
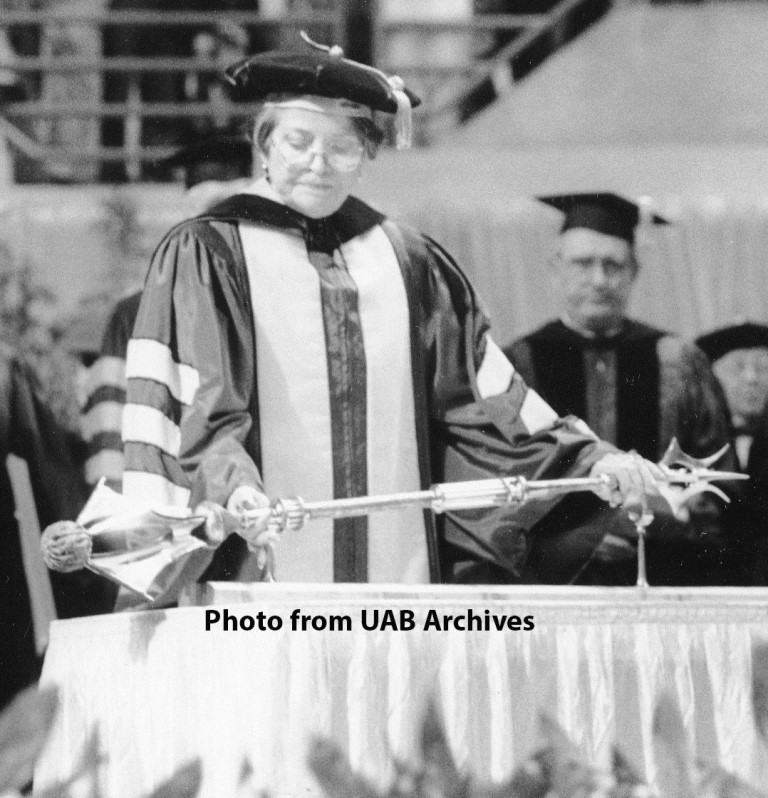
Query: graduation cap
(218,156)
(605,213)
(737,336)
(322,71)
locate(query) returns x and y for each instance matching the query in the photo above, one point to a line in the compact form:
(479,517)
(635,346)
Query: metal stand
(641,518)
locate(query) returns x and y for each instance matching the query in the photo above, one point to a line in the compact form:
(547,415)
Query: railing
(129,77)
(477,83)
(114,95)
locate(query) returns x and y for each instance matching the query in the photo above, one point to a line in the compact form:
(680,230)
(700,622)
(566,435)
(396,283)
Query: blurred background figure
(739,357)
(218,157)
(215,49)
(11,86)
(635,386)
(11,90)
(105,398)
(29,596)
(210,168)
(41,455)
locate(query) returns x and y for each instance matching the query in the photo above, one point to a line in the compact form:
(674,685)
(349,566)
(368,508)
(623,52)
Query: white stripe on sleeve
(154,490)
(495,372)
(151,360)
(535,413)
(142,424)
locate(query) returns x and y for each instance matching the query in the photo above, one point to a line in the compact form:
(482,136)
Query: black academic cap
(319,71)
(215,156)
(604,212)
(720,342)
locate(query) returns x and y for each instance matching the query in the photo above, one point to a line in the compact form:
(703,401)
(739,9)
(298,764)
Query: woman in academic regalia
(294,341)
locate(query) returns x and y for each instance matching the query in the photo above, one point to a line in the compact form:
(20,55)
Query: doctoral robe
(747,517)
(332,358)
(638,389)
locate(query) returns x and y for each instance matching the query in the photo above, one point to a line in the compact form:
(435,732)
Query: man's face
(594,274)
(743,373)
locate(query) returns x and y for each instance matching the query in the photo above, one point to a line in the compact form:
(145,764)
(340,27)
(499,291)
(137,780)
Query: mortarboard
(231,155)
(606,213)
(738,336)
(323,72)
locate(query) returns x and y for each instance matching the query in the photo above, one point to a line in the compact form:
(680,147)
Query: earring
(265,168)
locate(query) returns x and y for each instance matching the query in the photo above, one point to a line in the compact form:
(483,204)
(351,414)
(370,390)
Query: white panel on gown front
(396,539)
(294,410)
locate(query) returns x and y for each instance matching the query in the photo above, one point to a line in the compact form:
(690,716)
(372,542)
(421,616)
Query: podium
(161,689)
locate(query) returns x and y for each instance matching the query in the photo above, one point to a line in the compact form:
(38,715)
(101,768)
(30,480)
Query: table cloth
(161,689)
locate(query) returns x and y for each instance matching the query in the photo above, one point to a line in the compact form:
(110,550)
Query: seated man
(739,356)
(634,385)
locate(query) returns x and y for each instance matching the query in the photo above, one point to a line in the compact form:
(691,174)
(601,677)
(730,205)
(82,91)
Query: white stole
(294,403)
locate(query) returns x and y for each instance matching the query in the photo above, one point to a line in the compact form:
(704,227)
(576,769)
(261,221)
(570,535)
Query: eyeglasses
(298,148)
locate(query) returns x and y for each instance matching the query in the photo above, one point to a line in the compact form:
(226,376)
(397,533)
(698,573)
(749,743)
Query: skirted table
(294,661)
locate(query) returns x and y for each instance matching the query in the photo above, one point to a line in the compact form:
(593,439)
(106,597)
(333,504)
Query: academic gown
(102,413)
(638,389)
(29,431)
(747,517)
(230,293)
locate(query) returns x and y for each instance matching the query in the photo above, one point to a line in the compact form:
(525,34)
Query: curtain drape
(160,689)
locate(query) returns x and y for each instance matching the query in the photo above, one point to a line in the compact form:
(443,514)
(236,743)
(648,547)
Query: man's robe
(208,334)
(638,389)
(747,517)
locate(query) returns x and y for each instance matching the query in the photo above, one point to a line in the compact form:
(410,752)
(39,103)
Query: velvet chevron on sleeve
(486,422)
(241,371)
(190,370)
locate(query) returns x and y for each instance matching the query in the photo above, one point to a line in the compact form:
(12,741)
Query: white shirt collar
(743,444)
(592,336)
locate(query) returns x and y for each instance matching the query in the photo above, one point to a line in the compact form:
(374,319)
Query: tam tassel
(404,114)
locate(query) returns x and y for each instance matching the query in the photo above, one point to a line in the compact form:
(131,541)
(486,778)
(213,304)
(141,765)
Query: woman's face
(313,160)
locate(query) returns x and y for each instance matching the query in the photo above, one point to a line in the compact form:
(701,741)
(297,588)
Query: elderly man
(634,385)
(739,356)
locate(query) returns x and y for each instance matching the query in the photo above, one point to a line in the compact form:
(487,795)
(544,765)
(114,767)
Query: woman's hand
(260,535)
(66,546)
(629,479)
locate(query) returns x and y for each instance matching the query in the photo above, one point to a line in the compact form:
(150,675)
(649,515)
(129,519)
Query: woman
(293,341)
